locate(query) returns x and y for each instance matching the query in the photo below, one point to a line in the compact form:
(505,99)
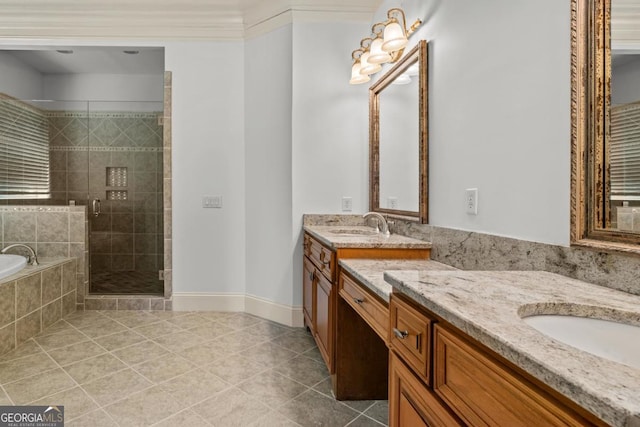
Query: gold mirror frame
(418,53)
(590,106)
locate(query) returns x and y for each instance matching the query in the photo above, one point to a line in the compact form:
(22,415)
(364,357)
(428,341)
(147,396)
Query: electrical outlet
(347,204)
(212,201)
(392,202)
(471,200)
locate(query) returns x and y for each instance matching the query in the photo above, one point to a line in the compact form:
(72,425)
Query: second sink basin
(615,341)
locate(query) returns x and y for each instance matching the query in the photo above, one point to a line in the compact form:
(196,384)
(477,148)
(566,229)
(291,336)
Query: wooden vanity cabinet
(468,381)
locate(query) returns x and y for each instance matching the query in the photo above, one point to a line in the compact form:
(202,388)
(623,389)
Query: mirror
(398,145)
(606,121)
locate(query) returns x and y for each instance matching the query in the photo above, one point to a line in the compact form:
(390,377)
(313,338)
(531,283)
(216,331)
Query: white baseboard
(284,314)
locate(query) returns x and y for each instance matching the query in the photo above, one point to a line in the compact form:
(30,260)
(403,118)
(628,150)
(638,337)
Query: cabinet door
(308,294)
(411,403)
(324,316)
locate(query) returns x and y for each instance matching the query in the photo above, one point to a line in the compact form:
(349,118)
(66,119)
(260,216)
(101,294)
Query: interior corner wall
(268,163)
(208,159)
(18,79)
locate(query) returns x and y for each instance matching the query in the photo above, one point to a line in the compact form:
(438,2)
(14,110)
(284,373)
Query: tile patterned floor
(126,282)
(138,368)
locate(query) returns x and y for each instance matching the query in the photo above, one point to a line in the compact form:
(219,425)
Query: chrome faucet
(381,223)
(33,259)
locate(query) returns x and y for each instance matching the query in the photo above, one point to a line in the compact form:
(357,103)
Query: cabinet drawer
(323,257)
(373,311)
(411,403)
(410,336)
(484,392)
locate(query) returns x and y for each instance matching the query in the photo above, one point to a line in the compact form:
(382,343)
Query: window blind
(24,151)
(624,152)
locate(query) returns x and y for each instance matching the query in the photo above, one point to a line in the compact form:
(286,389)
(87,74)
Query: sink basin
(615,341)
(353,232)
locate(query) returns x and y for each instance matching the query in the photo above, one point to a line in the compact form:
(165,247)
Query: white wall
(499,114)
(208,159)
(107,92)
(268,63)
(18,79)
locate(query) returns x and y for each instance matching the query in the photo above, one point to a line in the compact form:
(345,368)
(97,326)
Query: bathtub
(11,264)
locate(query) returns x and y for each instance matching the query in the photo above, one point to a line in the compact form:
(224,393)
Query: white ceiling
(88,59)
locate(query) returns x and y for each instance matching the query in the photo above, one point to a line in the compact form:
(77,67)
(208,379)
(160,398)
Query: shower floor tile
(126,282)
(177,378)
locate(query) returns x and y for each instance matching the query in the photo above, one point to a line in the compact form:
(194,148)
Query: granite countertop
(370,272)
(488,306)
(328,236)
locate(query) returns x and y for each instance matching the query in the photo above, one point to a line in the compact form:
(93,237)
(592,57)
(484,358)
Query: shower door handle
(96,207)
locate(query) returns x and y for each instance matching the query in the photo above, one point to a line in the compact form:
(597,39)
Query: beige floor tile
(179,341)
(295,341)
(267,330)
(379,411)
(157,329)
(235,370)
(325,387)
(132,319)
(59,326)
(110,389)
(304,370)
(364,421)
(216,315)
(144,408)
(272,388)
(25,367)
(269,354)
(164,368)
(202,354)
(83,319)
(97,418)
(194,386)
(186,418)
(60,339)
(231,408)
(120,340)
(76,352)
(189,321)
(239,321)
(239,341)
(28,348)
(314,354)
(141,352)
(314,409)
(164,315)
(38,386)
(103,328)
(96,367)
(75,401)
(273,419)
(4,399)
(211,331)
(359,405)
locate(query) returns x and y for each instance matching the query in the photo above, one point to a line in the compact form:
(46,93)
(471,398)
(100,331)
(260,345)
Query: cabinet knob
(311,276)
(358,300)
(400,334)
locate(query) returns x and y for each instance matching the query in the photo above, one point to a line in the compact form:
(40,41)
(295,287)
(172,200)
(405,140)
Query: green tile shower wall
(128,234)
(35,299)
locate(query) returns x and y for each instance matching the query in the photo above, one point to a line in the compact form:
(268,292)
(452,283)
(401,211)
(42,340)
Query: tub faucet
(381,223)
(33,259)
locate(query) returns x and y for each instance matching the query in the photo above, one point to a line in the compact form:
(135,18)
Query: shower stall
(109,157)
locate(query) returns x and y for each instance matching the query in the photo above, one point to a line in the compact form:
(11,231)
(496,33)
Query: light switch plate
(471,201)
(392,202)
(347,204)
(212,201)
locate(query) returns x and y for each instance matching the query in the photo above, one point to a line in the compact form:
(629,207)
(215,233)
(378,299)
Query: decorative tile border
(106,149)
(105,114)
(34,208)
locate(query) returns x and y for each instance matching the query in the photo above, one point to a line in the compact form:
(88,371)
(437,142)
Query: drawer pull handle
(326,262)
(400,334)
(311,276)
(358,300)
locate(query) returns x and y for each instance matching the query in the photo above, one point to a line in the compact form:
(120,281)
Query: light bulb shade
(414,70)
(368,68)
(402,79)
(394,38)
(356,77)
(377,55)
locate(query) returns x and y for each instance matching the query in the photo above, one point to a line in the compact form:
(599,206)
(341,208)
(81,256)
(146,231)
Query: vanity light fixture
(386,44)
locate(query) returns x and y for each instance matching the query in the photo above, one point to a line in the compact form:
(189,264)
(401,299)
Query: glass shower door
(125,198)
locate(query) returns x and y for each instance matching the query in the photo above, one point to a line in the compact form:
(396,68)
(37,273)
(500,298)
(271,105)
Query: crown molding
(168,19)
